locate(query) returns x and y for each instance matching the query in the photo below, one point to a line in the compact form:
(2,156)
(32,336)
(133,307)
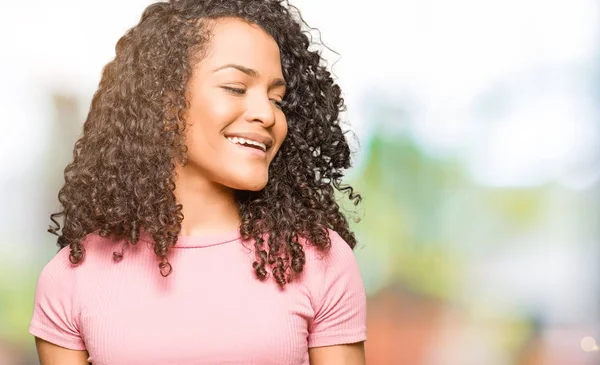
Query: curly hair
(122,177)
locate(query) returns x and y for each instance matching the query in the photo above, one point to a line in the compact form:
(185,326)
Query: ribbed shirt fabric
(210,310)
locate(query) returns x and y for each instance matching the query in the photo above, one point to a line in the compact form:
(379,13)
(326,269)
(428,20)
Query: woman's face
(235,123)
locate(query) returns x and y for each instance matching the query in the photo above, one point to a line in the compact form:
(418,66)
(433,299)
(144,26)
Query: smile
(248,143)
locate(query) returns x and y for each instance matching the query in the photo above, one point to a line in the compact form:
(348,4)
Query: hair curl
(121,179)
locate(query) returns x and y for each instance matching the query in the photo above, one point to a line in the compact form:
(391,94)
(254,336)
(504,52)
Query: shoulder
(337,293)
(339,253)
(96,249)
(58,270)
(335,265)
(57,303)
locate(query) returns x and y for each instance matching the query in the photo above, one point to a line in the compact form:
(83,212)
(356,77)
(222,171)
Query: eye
(277,103)
(234,90)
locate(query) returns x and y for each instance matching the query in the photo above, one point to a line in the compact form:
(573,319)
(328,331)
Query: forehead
(235,41)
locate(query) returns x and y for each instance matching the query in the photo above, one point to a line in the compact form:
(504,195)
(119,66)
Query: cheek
(223,110)
(206,118)
(280,132)
(282,129)
(212,108)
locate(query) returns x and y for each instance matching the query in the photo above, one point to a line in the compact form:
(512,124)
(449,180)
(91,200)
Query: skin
(349,354)
(237,88)
(51,354)
(225,100)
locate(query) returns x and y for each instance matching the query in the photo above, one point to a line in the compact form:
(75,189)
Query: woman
(200,218)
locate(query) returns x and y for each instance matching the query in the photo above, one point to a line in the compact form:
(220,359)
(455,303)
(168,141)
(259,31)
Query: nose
(260,110)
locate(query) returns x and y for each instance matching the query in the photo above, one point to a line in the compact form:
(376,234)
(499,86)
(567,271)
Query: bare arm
(351,354)
(51,354)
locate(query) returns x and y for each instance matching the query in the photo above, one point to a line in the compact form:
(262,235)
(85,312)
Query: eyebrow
(252,73)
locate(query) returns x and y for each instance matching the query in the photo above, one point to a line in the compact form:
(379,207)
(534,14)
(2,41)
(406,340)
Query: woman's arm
(350,354)
(51,354)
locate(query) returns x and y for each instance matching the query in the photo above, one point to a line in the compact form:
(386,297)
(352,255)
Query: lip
(251,151)
(265,139)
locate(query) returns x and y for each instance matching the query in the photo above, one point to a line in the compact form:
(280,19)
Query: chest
(214,319)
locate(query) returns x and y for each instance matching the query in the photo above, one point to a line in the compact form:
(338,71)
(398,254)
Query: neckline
(200,241)
(207,240)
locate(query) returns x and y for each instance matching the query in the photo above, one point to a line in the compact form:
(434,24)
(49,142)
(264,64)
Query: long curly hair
(122,177)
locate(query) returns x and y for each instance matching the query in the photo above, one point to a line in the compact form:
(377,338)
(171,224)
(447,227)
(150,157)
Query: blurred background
(479,163)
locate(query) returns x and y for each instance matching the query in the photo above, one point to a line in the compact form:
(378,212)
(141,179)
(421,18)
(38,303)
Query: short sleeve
(55,313)
(339,301)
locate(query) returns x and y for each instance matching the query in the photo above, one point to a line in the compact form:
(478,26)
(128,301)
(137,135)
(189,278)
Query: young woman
(200,218)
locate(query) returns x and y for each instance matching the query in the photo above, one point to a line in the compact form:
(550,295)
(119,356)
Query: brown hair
(121,180)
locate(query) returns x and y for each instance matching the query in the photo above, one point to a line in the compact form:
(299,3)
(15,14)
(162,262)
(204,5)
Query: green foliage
(422,216)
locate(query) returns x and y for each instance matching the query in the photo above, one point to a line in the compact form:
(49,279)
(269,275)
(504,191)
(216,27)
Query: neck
(208,208)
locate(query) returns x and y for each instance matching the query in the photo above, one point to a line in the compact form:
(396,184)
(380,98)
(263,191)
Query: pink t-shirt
(210,310)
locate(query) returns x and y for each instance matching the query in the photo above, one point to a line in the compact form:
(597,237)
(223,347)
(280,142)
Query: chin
(248,183)
(254,185)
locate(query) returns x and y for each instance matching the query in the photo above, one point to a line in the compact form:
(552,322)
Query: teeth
(243,141)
